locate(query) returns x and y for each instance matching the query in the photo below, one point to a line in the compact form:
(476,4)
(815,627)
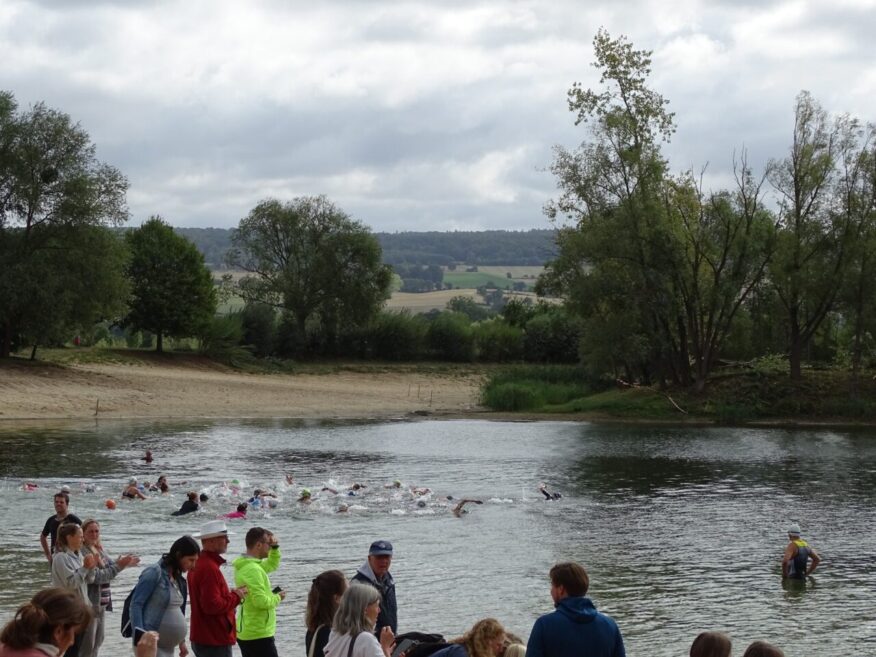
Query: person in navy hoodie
(575,628)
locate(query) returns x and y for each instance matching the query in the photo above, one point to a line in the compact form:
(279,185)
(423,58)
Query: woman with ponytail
(71,571)
(322,603)
(47,625)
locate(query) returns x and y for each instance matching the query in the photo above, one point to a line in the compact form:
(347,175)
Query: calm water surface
(680,529)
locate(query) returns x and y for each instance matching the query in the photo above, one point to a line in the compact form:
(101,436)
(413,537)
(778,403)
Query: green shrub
(498,342)
(396,336)
(259,323)
(220,340)
(451,337)
(552,337)
(511,397)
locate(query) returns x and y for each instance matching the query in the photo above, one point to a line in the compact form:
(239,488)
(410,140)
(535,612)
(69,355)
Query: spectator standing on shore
(99,588)
(322,603)
(50,529)
(257,620)
(486,638)
(213,624)
(354,623)
(71,571)
(46,625)
(375,571)
(575,627)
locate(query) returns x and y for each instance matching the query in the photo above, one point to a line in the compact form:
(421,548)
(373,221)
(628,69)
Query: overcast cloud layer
(433,115)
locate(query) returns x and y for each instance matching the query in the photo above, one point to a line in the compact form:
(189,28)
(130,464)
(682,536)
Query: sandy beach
(198,388)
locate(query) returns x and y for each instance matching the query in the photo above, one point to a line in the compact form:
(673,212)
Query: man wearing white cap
(796,556)
(213,626)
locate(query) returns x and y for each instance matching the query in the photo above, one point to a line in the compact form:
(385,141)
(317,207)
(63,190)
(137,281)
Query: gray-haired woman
(354,622)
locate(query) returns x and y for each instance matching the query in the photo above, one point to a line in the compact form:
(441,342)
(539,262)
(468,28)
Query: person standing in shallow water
(797,555)
(50,530)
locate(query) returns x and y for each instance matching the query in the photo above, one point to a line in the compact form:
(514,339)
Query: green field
(476,279)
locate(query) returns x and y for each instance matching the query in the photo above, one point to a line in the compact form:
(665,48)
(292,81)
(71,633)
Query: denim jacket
(151,595)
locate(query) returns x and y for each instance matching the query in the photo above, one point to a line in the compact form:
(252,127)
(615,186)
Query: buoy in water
(110,504)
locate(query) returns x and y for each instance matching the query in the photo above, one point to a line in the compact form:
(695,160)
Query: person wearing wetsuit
(797,555)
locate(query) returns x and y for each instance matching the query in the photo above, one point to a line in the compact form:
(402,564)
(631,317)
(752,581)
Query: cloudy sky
(431,115)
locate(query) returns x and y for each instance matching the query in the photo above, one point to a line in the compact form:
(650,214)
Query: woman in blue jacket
(158,602)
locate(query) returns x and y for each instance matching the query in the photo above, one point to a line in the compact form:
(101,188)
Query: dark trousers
(203,650)
(258,647)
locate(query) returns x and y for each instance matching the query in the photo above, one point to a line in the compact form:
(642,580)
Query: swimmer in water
(395,484)
(147,457)
(131,491)
(342,508)
(304,497)
(240,513)
(458,510)
(542,488)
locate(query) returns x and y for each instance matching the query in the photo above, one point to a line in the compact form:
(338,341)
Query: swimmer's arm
(815,561)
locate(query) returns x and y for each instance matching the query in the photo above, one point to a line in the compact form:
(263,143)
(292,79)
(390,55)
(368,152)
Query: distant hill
(490,247)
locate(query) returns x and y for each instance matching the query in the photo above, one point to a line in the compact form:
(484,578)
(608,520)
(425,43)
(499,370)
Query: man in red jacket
(212,602)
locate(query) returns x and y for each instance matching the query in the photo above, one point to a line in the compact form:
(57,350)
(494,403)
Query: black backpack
(418,644)
(127,630)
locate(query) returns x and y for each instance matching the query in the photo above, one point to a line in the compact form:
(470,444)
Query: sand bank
(197,388)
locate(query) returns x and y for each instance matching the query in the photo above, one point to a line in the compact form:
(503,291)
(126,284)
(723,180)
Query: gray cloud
(415,115)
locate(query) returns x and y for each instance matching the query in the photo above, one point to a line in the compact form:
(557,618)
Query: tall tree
(857,191)
(312,260)
(172,291)
(612,187)
(815,232)
(51,183)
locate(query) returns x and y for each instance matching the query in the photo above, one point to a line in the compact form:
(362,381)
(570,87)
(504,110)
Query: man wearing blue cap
(375,571)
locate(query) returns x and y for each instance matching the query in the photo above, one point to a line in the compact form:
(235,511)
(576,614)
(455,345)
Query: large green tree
(51,186)
(310,259)
(818,225)
(657,268)
(172,291)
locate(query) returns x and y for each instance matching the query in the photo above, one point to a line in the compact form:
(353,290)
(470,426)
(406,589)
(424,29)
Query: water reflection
(681,529)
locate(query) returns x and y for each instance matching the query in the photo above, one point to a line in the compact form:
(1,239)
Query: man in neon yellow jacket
(257,618)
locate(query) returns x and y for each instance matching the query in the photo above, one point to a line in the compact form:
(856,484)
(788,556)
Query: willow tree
(308,258)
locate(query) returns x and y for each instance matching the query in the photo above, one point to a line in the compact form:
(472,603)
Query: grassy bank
(730,398)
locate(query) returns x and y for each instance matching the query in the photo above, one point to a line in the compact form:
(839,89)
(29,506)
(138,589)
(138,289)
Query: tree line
(669,279)
(422,249)
(662,279)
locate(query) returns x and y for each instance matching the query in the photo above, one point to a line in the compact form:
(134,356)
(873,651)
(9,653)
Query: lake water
(681,529)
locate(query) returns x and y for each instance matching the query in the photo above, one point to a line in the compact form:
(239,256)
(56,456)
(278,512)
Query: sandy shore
(197,388)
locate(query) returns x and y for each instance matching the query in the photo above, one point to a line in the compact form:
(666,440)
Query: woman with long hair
(158,602)
(486,638)
(99,588)
(354,623)
(47,625)
(70,570)
(711,644)
(322,603)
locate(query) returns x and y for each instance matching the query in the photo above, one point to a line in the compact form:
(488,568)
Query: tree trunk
(33,352)
(6,343)
(159,343)
(795,356)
